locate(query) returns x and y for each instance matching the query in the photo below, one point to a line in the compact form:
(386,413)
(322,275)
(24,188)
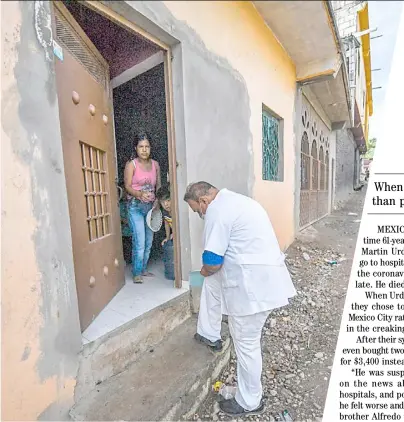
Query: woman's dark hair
(163,194)
(141,136)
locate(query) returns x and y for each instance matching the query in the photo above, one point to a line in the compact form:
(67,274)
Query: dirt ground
(299,341)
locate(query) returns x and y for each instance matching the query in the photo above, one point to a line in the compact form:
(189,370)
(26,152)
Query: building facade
(257,111)
(353,24)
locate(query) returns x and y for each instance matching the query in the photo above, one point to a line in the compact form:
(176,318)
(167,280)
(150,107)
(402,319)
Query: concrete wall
(346,13)
(345,165)
(357,168)
(40,326)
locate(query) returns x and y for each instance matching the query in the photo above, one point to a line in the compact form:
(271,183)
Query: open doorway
(112,84)
(140,106)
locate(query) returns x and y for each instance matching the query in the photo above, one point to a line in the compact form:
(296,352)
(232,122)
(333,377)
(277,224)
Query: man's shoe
(232,408)
(216,346)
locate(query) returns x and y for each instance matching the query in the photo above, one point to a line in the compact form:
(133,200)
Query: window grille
(271,147)
(95,191)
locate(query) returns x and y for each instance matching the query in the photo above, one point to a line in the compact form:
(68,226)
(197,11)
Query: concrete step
(114,352)
(168,383)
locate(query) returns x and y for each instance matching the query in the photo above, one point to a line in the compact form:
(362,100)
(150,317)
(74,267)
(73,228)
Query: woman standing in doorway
(142,179)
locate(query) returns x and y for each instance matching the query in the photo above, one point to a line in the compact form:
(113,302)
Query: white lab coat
(254,277)
(253,281)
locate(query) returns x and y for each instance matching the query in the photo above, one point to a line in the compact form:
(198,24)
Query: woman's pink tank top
(145,180)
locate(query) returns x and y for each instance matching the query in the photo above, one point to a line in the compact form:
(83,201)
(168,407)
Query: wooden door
(85,108)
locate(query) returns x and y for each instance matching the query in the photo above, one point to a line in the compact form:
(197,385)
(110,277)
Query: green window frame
(272,146)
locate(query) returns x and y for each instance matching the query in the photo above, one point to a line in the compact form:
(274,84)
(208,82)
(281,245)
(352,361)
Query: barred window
(272,146)
(96,191)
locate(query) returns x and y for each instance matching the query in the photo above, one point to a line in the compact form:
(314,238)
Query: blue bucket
(196,279)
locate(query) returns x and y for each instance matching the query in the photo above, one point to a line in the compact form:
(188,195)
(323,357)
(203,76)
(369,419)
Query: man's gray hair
(197,190)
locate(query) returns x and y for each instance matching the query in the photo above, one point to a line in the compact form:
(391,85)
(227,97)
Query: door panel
(90,168)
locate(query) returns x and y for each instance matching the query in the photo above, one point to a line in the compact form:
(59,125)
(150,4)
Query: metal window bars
(95,191)
(270,147)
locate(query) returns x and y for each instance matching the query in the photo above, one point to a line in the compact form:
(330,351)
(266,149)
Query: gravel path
(299,341)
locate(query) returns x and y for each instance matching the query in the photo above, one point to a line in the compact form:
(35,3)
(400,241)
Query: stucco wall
(345,165)
(269,77)
(40,326)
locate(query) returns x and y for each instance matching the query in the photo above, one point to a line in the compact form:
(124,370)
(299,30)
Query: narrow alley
(299,341)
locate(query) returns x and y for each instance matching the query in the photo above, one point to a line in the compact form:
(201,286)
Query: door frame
(168,78)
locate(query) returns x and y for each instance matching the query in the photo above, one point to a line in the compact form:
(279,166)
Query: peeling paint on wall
(60,334)
(27,352)
(43,28)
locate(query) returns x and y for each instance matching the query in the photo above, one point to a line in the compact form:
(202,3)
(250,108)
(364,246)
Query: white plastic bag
(227,391)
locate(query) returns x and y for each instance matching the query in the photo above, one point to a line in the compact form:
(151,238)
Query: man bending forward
(245,278)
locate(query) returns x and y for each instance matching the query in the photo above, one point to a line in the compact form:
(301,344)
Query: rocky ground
(299,341)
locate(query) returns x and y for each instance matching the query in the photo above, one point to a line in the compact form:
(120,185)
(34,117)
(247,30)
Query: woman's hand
(144,196)
(171,236)
(164,242)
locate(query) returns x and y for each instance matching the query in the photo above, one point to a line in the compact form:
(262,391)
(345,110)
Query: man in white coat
(245,278)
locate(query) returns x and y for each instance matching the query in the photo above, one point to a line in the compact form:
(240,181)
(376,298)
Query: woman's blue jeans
(142,236)
(168,259)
